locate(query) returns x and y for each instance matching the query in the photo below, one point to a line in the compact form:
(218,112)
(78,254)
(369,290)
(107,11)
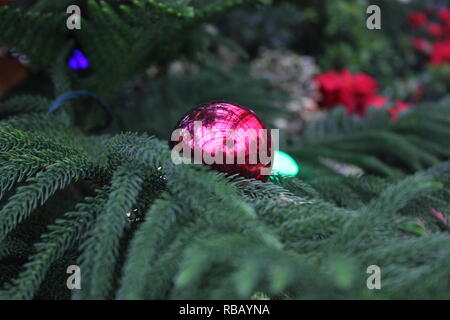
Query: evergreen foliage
(140,32)
(208,236)
(142,227)
(418,140)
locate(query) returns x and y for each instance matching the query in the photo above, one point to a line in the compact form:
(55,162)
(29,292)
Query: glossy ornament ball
(227,137)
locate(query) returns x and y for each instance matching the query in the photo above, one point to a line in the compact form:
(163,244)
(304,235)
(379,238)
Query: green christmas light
(284,164)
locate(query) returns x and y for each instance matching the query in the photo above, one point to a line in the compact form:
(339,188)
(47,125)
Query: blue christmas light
(78,61)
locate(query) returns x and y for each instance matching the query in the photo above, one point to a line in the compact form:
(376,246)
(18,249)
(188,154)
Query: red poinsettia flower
(422,45)
(417,19)
(399,107)
(378,101)
(346,94)
(435,30)
(444,14)
(365,87)
(356,92)
(446,29)
(381,102)
(353,91)
(329,87)
(440,53)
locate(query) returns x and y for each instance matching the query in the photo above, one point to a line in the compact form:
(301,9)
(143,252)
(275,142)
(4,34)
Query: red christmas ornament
(227,137)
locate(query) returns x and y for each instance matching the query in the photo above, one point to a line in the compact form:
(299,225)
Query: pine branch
(147,242)
(23,104)
(101,244)
(62,236)
(374,144)
(19,32)
(38,191)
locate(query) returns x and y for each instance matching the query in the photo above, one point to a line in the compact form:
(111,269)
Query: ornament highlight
(227,137)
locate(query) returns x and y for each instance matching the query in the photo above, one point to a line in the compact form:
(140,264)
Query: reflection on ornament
(227,137)
(284,164)
(78,61)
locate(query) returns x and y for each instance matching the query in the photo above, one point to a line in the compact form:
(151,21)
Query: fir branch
(398,195)
(39,190)
(146,243)
(193,188)
(23,104)
(100,245)
(238,254)
(62,236)
(12,246)
(18,31)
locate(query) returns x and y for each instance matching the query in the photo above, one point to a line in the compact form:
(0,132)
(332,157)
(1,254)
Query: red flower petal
(435,30)
(422,45)
(417,19)
(440,53)
(399,107)
(444,14)
(378,101)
